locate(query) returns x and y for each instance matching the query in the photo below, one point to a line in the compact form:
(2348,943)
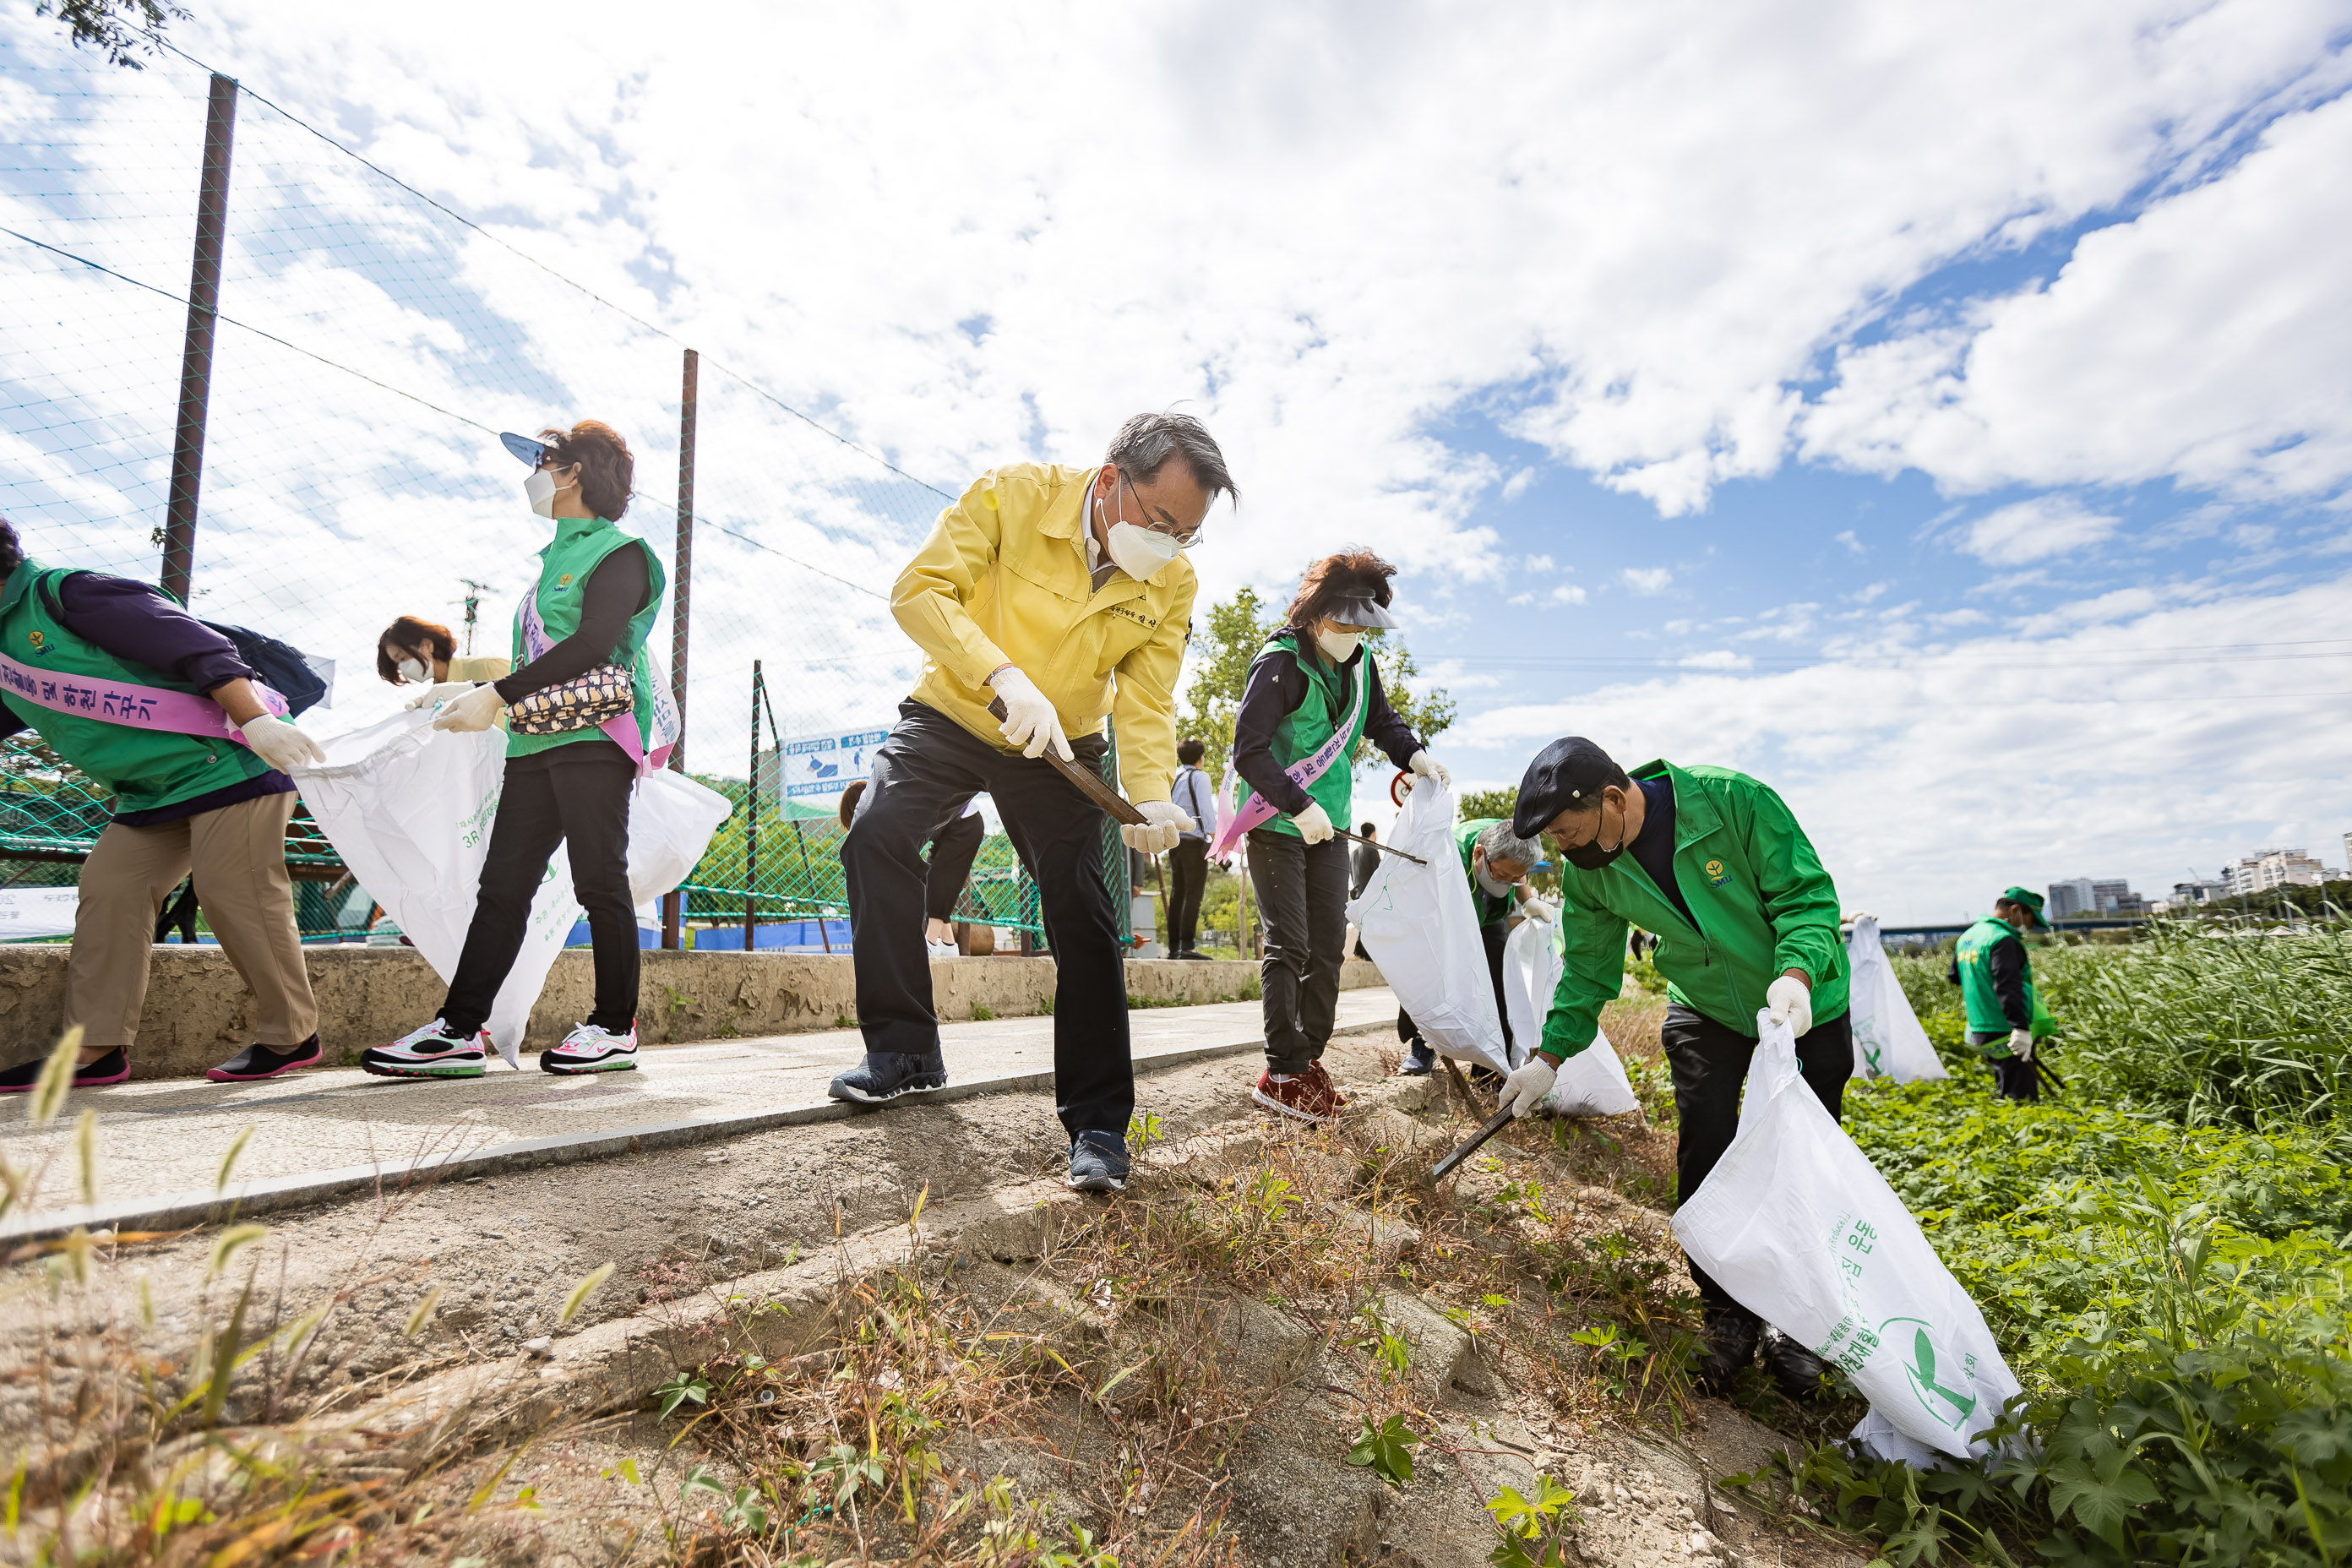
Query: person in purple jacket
(182,802)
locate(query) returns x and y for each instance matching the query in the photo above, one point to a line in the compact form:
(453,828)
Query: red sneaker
(1297,1095)
(1315,1071)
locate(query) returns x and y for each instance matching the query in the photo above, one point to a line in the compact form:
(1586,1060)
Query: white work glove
(1527,1087)
(440,691)
(1314,824)
(1030,720)
(1425,766)
(2020,1043)
(1163,823)
(280,743)
(1791,1002)
(1536,909)
(477,709)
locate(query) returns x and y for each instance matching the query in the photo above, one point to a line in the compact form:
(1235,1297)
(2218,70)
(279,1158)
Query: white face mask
(1139,551)
(1338,647)
(1492,889)
(413,671)
(540,489)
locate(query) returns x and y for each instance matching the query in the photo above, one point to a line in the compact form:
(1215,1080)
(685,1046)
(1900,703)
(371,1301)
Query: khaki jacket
(1003,580)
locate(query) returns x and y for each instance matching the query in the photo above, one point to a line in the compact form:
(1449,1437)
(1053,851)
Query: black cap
(1567,775)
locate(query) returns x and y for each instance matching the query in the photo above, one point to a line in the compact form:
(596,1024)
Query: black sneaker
(258,1061)
(111,1068)
(1727,1346)
(883,1076)
(1419,1062)
(1798,1371)
(1195,954)
(1099,1162)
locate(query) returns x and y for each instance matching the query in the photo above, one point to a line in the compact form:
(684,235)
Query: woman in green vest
(1996,979)
(580,630)
(1312,696)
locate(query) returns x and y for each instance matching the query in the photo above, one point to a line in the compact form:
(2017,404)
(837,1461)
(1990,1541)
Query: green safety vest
(144,768)
(1330,700)
(1974,955)
(1490,907)
(580,545)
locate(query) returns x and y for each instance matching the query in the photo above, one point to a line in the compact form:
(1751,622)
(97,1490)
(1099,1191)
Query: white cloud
(1565,593)
(2202,340)
(1517,485)
(1851,543)
(1721,659)
(1884,755)
(1646,579)
(1538,563)
(2035,529)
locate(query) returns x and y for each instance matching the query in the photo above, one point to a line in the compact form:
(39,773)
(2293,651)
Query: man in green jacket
(1746,921)
(1997,986)
(1497,860)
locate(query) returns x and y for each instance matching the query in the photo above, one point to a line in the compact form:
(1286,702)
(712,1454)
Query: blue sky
(1940,412)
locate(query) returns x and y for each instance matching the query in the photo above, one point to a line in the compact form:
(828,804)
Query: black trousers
(2012,1077)
(953,849)
(1302,906)
(928,763)
(1188,876)
(1492,937)
(583,803)
(1710,1064)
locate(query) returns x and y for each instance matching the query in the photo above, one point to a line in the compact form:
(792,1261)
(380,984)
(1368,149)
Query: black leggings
(583,803)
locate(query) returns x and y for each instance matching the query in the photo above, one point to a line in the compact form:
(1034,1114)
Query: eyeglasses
(1184,540)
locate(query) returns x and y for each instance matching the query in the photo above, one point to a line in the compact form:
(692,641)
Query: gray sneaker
(883,1076)
(1099,1162)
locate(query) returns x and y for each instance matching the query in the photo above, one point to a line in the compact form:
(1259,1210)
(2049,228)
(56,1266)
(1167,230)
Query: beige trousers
(238,855)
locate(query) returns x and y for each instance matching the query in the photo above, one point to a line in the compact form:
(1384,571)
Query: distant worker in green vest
(1496,862)
(160,709)
(1746,921)
(1997,987)
(1312,694)
(580,638)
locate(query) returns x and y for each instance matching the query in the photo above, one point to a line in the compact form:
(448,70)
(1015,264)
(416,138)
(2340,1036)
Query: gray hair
(1145,442)
(1501,843)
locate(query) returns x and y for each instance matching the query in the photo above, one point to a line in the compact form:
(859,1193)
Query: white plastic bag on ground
(1591,1083)
(409,808)
(1419,925)
(1798,1225)
(1887,1039)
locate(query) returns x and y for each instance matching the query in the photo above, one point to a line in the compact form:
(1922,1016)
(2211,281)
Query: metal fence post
(751,821)
(681,606)
(196,352)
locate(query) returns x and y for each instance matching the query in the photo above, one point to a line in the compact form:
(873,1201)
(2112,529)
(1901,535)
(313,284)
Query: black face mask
(1592,856)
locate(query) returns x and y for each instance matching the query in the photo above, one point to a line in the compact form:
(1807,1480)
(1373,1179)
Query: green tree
(1496,803)
(1225,649)
(119,27)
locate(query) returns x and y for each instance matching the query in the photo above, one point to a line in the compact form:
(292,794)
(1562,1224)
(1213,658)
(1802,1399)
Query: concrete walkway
(325,1133)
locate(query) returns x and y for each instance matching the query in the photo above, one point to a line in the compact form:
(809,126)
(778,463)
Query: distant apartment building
(2116,899)
(2067,899)
(2269,868)
(2187,893)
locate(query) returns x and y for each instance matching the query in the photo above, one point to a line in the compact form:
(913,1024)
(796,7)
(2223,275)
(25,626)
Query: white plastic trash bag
(1591,1083)
(409,809)
(1419,925)
(1798,1225)
(1887,1039)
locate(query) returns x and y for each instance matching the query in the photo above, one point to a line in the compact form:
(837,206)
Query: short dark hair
(1189,753)
(12,549)
(1145,442)
(605,464)
(1363,830)
(410,632)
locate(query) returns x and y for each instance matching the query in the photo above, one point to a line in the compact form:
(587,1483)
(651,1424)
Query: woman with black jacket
(1313,694)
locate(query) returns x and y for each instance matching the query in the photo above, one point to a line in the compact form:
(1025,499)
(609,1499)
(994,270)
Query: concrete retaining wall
(194,1014)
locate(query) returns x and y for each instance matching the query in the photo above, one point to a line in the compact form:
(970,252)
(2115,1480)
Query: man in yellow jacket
(1064,593)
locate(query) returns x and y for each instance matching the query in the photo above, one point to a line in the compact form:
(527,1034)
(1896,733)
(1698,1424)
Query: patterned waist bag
(584,702)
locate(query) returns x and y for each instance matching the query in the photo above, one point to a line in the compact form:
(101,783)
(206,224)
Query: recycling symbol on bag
(1949,1406)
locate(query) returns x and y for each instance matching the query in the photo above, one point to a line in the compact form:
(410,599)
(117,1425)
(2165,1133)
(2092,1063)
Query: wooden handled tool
(1089,782)
(1383,849)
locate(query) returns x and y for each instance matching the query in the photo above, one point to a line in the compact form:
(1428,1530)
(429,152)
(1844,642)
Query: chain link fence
(368,345)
